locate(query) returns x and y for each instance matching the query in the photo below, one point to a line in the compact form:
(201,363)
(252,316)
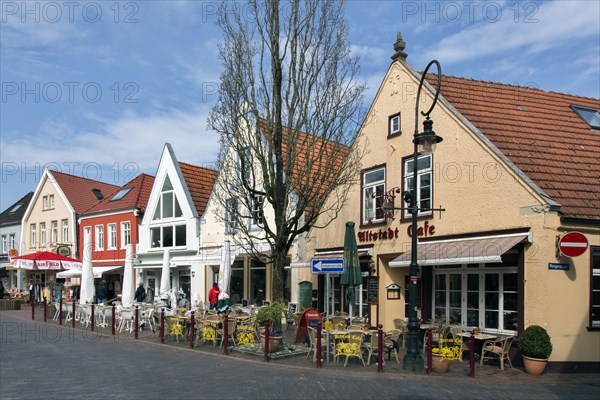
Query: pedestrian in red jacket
(213,295)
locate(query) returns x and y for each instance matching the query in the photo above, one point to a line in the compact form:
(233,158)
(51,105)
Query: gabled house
(10,234)
(518,168)
(114,223)
(172,223)
(237,216)
(50,221)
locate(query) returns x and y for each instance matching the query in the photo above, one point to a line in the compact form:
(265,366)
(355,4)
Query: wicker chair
(497,348)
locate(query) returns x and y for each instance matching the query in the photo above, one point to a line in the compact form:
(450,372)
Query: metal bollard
(192,329)
(33,310)
(45,310)
(472,355)
(162,326)
(318,352)
(379,348)
(60,311)
(113,319)
(93,319)
(73,319)
(225,333)
(137,321)
(429,360)
(266,341)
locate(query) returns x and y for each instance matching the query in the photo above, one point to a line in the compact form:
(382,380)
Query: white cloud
(558,24)
(129,139)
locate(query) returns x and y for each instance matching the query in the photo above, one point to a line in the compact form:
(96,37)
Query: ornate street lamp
(424,143)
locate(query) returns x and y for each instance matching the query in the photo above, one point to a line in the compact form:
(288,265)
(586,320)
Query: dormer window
(120,194)
(98,194)
(589,115)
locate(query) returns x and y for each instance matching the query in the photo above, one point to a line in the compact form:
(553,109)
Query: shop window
(258,281)
(236,285)
(424,183)
(373,188)
(595,287)
(485,298)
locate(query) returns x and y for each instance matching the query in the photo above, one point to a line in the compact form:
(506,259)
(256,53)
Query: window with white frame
(65,230)
(424,183)
(595,287)
(373,188)
(33,235)
(256,210)
(43,233)
(53,231)
(11,241)
(125,234)
(99,237)
(168,205)
(481,296)
(45,202)
(168,236)
(112,236)
(51,200)
(4,244)
(245,165)
(394,125)
(231,215)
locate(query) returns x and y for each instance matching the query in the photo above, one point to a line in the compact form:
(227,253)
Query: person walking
(213,295)
(140,293)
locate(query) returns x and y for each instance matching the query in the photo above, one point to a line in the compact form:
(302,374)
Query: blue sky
(96,88)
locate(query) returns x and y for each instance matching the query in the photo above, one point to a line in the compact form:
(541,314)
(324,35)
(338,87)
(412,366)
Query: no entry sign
(573,244)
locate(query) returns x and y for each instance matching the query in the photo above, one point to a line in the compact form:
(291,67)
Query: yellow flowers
(177,330)
(448,352)
(208,335)
(328,325)
(347,349)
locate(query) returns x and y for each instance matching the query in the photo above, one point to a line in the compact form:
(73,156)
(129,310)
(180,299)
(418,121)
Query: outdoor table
(100,313)
(479,339)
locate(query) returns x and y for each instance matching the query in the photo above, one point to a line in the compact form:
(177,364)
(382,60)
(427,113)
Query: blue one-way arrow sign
(327,266)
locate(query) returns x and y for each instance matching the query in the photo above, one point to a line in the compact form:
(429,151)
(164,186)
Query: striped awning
(487,249)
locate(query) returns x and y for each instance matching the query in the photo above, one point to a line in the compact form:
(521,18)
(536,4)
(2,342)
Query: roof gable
(540,133)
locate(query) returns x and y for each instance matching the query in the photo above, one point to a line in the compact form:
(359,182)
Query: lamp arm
(435,98)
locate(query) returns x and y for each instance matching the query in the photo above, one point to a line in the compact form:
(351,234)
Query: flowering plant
(328,325)
(449,349)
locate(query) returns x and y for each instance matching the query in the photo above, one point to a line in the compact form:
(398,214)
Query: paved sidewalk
(21,337)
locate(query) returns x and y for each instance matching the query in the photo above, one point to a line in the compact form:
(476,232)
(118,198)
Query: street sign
(326,266)
(573,244)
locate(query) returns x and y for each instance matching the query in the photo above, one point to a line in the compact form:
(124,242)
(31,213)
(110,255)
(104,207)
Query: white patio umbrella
(86,294)
(225,266)
(165,279)
(128,287)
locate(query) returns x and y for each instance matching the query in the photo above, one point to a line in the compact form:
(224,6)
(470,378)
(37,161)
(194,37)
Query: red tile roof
(79,190)
(540,133)
(200,182)
(137,197)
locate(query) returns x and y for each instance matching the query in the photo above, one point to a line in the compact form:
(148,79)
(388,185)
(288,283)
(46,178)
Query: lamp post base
(416,365)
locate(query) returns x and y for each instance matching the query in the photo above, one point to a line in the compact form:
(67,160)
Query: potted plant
(536,347)
(274,313)
(442,355)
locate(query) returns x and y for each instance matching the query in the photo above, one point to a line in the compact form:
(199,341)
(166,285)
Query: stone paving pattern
(45,360)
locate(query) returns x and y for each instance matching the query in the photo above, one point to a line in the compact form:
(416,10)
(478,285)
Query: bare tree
(288,112)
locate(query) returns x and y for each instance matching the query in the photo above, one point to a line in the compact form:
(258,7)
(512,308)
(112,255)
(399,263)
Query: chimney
(399,47)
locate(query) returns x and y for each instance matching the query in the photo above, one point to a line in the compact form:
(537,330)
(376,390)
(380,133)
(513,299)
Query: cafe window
(373,188)
(424,183)
(236,285)
(595,287)
(258,281)
(485,298)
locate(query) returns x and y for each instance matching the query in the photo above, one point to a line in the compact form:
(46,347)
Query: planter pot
(274,342)
(439,363)
(534,366)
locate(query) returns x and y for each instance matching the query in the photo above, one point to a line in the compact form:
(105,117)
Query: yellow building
(517,169)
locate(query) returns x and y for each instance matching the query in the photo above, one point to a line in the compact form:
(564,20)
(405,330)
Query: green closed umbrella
(351,276)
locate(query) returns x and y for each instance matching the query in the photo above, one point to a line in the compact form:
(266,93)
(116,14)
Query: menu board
(372,290)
